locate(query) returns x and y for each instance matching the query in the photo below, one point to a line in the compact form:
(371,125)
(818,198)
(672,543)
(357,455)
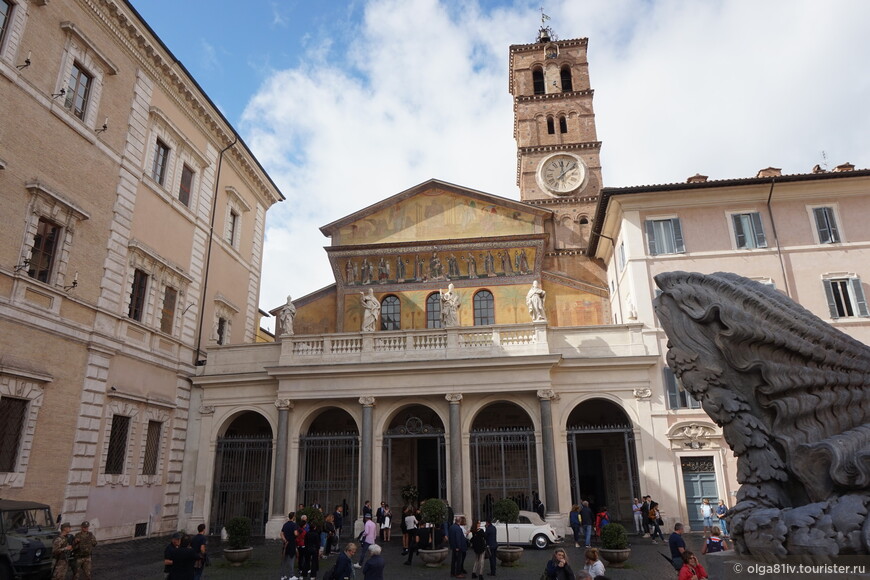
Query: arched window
(563,124)
(484,308)
(551,127)
(538,80)
(433,311)
(391,313)
(565,73)
(583,220)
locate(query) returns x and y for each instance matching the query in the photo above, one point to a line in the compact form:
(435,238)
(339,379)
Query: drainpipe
(776,238)
(196,358)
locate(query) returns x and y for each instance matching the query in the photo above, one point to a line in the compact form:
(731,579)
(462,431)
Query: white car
(530,529)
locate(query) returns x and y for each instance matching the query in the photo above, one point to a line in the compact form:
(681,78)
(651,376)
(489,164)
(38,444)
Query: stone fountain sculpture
(792,395)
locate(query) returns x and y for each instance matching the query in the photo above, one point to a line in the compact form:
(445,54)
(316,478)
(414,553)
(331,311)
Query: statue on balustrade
(371,310)
(792,395)
(535,302)
(286,317)
(449,307)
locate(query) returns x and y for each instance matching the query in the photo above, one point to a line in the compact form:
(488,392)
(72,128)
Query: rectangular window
(748,231)
(167,314)
(620,257)
(845,297)
(44,250)
(186,185)
(678,397)
(117,452)
(222,331)
(5,13)
(137,295)
(664,236)
(152,448)
(233,229)
(161,160)
(78,90)
(13,413)
(826,225)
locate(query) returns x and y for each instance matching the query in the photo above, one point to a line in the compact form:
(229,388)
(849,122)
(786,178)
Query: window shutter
(678,236)
(860,300)
(651,238)
(760,240)
(829,293)
(739,234)
(825,223)
(671,387)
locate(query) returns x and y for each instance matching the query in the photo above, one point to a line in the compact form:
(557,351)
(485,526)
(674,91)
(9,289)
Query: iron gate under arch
(503,464)
(242,472)
(329,470)
(415,428)
(628,446)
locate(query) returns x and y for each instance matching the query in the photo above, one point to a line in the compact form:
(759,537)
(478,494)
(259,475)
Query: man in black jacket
(491,545)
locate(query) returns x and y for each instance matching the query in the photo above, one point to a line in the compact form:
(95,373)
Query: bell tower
(558,164)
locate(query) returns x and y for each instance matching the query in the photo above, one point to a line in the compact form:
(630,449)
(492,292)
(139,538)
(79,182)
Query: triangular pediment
(436,210)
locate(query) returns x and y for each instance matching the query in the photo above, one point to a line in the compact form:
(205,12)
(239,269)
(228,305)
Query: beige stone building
(132,240)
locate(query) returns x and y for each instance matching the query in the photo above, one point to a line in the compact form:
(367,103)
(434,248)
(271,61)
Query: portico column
(551,490)
(280,479)
(365,455)
(456,483)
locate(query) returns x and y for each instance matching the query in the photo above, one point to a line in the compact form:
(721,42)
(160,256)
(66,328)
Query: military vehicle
(26,533)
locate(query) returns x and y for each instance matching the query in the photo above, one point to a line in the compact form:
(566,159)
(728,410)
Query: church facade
(429,364)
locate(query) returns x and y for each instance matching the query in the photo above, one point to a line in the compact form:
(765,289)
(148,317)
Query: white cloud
(720,88)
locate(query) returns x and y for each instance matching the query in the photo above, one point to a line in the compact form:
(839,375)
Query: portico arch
(602,458)
(414,454)
(242,472)
(329,461)
(503,458)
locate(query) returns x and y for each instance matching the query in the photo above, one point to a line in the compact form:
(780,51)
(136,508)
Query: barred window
(433,311)
(44,250)
(222,331)
(391,313)
(167,315)
(160,162)
(12,416)
(484,308)
(117,452)
(152,448)
(137,295)
(186,184)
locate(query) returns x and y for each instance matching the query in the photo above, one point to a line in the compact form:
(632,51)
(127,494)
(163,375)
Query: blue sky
(346,103)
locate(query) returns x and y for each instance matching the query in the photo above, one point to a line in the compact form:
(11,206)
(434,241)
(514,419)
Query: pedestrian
(338,520)
(344,566)
(602,518)
(61,551)
(707,515)
(478,546)
(594,566)
(458,547)
(181,561)
(370,536)
(83,546)
(714,543)
(199,544)
(289,531)
(374,566)
(574,522)
(636,508)
(330,535)
(644,510)
(310,563)
(677,545)
(587,520)
(692,569)
(387,524)
(491,545)
(655,522)
(558,567)
(721,510)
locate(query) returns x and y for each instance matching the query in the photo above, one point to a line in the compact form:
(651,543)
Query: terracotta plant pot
(508,555)
(616,558)
(237,557)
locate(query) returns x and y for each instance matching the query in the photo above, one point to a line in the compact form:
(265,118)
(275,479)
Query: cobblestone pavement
(142,559)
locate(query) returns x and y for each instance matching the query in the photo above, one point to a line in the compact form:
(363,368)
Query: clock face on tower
(561,174)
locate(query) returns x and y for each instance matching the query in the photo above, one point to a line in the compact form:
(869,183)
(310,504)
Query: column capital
(367,401)
(453,397)
(283,404)
(548,395)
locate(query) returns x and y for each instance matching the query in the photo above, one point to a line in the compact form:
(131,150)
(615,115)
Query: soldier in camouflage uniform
(61,550)
(84,545)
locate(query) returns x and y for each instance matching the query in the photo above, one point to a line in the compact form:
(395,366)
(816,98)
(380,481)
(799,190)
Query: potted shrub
(410,495)
(506,511)
(434,511)
(239,540)
(614,545)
